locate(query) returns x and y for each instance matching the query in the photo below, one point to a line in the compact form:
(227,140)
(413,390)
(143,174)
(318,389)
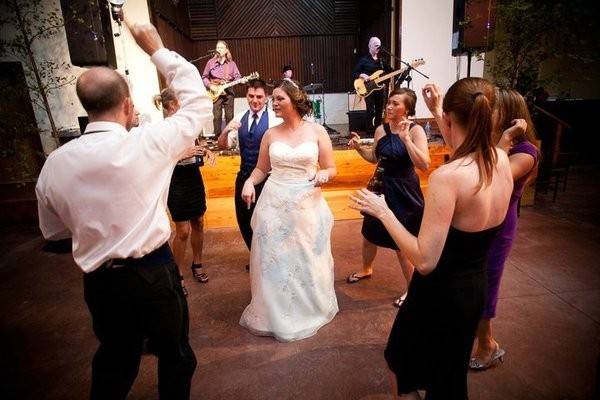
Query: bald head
(374,45)
(101,90)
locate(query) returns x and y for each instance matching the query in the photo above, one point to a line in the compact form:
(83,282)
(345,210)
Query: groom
(250,125)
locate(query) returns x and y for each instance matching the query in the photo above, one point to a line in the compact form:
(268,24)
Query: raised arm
(177,132)
(432,95)
(425,250)
(521,164)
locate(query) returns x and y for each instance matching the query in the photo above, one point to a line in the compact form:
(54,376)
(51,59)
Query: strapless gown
(291,266)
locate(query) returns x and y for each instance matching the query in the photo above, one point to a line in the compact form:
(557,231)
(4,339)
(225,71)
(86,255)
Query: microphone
(312,68)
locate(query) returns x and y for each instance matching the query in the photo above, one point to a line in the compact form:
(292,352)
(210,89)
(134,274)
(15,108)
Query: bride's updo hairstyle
(165,100)
(471,102)
(298,97)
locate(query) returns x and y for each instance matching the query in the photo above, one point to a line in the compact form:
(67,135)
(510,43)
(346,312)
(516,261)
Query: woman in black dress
(396,153)
(187,198)
(467,199)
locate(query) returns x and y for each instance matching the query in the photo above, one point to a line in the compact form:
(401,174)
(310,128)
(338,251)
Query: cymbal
(312,87)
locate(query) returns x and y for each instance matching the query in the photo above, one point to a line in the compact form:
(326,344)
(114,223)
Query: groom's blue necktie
(253,125)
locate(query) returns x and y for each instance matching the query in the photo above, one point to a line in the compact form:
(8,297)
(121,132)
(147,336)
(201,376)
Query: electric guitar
(365,88)
(214,94)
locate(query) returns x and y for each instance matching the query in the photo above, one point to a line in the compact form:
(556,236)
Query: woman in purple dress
(515,135)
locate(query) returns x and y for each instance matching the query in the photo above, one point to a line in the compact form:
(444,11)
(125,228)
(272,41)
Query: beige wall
(426,32)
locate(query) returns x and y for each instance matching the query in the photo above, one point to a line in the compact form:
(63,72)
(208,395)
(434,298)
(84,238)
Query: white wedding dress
(291,266)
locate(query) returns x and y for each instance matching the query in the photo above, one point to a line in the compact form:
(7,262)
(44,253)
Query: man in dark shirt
(366,66)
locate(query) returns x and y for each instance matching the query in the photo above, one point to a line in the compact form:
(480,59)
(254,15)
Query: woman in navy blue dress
(396,154)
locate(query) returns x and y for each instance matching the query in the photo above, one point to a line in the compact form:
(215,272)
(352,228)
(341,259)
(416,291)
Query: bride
(291,266)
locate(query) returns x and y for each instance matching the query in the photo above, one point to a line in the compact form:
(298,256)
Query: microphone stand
(403,62)
(209,54)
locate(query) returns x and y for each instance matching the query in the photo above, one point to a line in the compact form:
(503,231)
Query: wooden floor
(353,173)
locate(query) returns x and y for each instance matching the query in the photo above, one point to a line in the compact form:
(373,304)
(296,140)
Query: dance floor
(548,318)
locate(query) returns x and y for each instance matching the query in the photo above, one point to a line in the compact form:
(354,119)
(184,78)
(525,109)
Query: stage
(353,173)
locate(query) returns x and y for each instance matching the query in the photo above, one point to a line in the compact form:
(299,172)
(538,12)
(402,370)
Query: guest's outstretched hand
(369,202)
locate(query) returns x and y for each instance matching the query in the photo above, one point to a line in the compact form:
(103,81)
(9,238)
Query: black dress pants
(142,299)
(242,213)
(224,102)
(374,103)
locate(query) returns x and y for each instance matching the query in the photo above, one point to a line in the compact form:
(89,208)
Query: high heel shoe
(479,365)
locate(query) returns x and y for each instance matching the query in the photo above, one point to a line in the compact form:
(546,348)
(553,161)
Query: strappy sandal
(198,275)
(353,277)
(480,365)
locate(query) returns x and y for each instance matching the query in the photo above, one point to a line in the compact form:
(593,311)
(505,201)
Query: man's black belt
(160,255)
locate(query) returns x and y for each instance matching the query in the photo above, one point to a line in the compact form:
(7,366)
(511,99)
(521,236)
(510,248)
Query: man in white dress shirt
(248,128)
(108,191)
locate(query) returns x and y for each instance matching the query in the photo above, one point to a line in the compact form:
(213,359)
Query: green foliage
(34,21)
(531,32)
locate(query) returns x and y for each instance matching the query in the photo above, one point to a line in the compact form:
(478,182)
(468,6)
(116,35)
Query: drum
(316,106)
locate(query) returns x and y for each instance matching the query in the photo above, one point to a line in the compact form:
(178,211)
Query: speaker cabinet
(89,32)
(357,121)
(473,26)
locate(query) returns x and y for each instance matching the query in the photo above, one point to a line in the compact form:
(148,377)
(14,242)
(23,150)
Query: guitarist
(219,70)
(366,66)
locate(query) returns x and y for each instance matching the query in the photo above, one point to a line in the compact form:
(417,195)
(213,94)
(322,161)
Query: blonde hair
(165,100)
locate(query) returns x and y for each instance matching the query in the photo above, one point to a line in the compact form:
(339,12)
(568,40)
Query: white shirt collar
(104,126)
(259,113)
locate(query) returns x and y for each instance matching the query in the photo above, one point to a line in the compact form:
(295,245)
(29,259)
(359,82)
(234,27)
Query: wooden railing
(558,132)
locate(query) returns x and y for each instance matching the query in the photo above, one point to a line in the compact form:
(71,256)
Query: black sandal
(197,274)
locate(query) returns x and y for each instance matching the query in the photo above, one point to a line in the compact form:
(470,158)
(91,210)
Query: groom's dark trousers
(134,299)
(242,213)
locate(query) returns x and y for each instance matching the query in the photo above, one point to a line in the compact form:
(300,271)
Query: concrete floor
(548,318)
